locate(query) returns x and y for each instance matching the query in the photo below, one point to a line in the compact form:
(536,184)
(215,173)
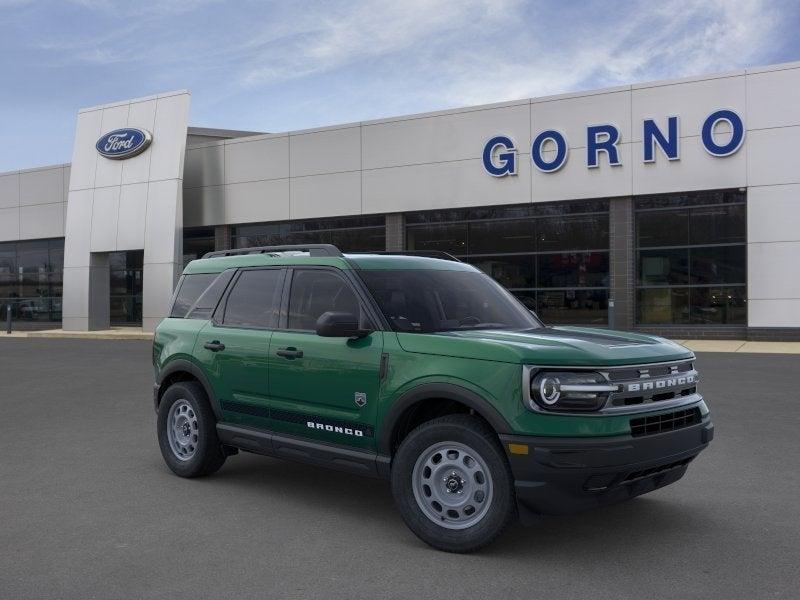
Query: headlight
(570,391)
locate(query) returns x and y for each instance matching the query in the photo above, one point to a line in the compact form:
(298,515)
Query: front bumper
(566,475)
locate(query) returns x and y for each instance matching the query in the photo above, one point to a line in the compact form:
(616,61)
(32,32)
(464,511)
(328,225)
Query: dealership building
(670,207)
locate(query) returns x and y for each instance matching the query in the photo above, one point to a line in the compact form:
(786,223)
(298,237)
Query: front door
(324,388)
(234,346)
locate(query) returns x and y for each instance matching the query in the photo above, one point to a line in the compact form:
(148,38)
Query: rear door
(233,347)
(324,388)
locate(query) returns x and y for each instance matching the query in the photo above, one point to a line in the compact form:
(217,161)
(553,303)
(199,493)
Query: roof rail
(312,249)
(424,253)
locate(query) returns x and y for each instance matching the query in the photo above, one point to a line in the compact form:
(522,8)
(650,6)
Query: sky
(279,66)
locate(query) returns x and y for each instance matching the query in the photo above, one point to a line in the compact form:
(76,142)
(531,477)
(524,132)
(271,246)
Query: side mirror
(340,324)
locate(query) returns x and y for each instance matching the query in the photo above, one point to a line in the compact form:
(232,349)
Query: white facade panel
(692,101)
(161,232)
(772,156)
(84,154)
(109,172)
(574,180)
(160,280)
(75,303)
(696,170)
(169,137)
(105,211)
(443,138)
(41,221)
(570,116)
(774,272)
(9,223)
(773,214)
(442,185)
(265,158)
(132,216)
(325,195)
(141,115)
(257,201)
(78,230)
(43,186)
(773,99)
(9,190)
(773,313)
(328,151)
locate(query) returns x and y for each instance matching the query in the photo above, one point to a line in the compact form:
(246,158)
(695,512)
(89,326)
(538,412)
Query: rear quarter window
(191,287)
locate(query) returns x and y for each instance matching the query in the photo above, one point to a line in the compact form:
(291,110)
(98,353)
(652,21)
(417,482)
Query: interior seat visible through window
(316,291)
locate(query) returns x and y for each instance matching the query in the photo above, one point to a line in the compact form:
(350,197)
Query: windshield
(428,301)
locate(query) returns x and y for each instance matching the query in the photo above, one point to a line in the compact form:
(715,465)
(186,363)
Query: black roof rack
(312,249)
(424,253)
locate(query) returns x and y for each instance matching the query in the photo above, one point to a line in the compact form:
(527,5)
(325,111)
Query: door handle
(214,346)
(291,352)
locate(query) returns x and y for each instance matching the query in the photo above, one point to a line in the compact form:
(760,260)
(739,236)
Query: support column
(395,232)
(222,237)
(99,292)
(621,264)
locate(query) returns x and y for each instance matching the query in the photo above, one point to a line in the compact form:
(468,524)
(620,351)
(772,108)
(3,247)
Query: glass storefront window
(349,234)
(126,287)
(691,258)
(553,256)
(197,242)
(31,281)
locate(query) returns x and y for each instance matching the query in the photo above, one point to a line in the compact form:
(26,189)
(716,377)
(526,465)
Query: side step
(277,445)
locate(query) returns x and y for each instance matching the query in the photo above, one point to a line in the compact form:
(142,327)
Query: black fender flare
(187,366)
(446,391)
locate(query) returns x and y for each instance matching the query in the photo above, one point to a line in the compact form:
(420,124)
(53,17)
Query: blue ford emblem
(124,143)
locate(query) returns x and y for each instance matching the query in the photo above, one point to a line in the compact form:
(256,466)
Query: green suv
(423,370)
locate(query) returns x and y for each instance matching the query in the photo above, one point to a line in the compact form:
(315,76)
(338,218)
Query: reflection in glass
(530,249)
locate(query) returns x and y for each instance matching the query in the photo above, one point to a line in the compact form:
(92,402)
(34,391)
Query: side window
(191,288)
(204,306)
(253,301)
(316,291)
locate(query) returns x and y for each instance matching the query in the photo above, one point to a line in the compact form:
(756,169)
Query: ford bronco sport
(424,371)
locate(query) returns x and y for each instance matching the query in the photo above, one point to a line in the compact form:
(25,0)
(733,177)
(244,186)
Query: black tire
(475,434)
(208,455)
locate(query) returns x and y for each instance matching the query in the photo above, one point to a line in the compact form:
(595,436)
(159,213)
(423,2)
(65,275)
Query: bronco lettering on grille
(660,384)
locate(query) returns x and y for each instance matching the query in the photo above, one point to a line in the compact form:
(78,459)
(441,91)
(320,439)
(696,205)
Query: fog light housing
(570,391)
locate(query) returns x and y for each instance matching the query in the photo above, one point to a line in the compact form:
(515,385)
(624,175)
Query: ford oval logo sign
(124,143)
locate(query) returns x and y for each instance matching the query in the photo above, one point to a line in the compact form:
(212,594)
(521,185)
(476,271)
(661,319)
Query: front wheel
(452,484)
(187,433)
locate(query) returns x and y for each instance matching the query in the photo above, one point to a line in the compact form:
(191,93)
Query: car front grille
(652,383)
(654,424)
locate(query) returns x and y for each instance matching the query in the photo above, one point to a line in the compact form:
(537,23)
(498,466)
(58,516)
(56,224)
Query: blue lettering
(737,137)
(507,159)
(652,135)
(561,151)
(601,138)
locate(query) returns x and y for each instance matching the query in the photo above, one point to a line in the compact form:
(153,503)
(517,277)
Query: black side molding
(359,462)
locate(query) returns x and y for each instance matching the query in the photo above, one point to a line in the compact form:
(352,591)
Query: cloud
(276,65)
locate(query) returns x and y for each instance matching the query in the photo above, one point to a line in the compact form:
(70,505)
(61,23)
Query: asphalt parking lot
(88,509)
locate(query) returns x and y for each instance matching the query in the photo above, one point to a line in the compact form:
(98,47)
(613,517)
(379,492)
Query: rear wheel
(452,484)
(187,433)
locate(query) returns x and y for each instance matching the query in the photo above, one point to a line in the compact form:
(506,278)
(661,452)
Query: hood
(563,346)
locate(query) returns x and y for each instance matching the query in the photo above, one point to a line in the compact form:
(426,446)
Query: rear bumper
(567,475)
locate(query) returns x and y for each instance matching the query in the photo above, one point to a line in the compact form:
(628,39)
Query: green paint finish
(315,396)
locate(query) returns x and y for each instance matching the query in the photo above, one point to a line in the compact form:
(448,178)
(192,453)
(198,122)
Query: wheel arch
(413,399)
(183,370)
